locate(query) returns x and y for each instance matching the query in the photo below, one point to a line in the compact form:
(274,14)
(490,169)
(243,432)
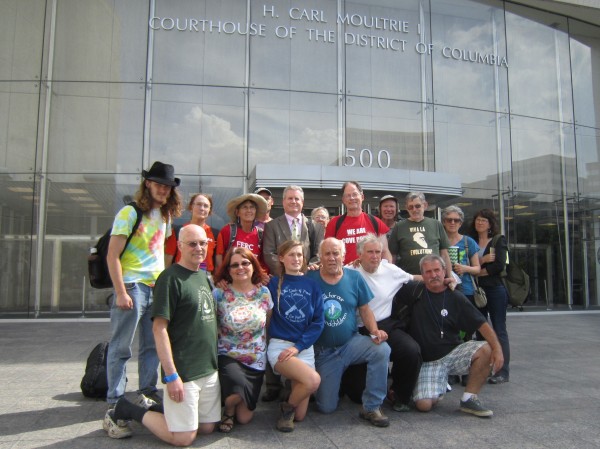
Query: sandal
(226,424)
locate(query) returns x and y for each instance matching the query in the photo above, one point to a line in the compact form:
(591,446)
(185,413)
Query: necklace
(443,312)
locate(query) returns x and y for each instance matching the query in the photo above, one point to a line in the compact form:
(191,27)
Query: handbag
(478,292)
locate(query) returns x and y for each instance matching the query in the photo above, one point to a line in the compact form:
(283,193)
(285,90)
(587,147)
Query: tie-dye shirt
(144,258)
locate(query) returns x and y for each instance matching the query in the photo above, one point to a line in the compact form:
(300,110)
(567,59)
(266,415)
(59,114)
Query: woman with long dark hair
(493,256)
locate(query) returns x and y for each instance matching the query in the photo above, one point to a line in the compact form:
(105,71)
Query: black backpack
(94,383)
(97,266)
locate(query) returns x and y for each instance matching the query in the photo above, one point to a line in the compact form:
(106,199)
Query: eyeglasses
(352,195)
(195,243)
(414,206)
(244,264)
(321,217)
(452,220)
(481,220)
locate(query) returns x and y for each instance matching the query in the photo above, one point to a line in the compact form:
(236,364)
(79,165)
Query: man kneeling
(438,315)
(185,331)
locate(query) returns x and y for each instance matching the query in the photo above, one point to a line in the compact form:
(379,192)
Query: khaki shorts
(201,404)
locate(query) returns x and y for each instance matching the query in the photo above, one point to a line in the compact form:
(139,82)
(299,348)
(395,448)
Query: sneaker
(474,407)
(497,379)
(376,417)
(148,400)
(286,422)
(114,429)
(400,407)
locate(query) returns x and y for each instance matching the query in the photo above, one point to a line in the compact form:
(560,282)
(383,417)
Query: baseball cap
(388,197)
(263,189)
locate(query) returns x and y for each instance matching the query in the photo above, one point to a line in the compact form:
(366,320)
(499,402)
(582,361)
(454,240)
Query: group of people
(315,304)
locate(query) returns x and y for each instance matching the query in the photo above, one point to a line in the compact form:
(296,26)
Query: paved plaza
(552,401)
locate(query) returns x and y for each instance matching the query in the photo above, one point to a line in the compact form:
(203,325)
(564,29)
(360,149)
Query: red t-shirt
(208,264)
(352,230)
(249,240)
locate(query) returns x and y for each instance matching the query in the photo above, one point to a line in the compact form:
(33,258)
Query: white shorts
(201,404)
(276,346)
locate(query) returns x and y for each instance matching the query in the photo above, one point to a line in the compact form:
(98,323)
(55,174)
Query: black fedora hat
(162,173)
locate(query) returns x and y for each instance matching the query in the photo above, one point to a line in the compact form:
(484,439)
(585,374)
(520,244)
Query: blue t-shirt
(340,303)
(465,259)
(297,312)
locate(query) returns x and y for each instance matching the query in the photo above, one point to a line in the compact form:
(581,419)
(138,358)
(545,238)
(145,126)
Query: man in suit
(291,225)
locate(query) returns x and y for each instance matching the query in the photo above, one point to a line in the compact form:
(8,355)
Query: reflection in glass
(585,57)
(465,31)
(540,72)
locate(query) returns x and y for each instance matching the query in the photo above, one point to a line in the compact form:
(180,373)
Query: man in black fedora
(134,268)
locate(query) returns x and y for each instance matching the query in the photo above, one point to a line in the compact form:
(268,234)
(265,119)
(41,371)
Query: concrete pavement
(552,400)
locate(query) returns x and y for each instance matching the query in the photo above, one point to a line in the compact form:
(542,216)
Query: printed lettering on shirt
(205,298)
(248,246)
(296,300)
(334,315)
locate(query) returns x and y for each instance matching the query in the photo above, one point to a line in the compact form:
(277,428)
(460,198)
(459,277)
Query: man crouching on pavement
(438,315)
(185,331)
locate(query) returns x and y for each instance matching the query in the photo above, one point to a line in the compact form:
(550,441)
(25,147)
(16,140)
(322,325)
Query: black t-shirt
(437,319)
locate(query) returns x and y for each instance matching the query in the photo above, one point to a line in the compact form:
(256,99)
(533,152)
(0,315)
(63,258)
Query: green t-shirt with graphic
(184,298)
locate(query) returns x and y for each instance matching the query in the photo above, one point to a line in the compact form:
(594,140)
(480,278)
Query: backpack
(515,280)
(97,266)
(340,220)
(233,234)
(94,383)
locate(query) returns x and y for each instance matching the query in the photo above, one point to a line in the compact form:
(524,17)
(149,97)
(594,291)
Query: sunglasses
(452,220)
(244,264)
(414,206)
(195,243)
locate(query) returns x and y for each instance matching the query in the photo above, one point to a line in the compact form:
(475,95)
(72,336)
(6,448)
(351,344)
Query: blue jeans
(497,302)
(123,325)
(332,362)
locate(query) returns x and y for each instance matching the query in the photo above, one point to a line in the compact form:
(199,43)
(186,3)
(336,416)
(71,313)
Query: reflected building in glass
(477,103)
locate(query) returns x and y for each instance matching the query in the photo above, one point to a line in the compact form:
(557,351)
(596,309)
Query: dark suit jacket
(278,231)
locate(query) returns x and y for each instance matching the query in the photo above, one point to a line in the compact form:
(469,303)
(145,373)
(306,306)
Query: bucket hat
(232,205)
(162,174)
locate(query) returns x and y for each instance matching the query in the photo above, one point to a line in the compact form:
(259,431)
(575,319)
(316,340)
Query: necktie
(295,233)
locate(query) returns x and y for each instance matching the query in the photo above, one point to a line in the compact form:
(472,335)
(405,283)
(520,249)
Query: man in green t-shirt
(185,332)
(418,236)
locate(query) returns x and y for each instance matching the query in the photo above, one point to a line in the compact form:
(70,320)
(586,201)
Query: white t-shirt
(384,283)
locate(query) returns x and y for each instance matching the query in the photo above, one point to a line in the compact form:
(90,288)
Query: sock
(126,410)
(466,396)
(158,408)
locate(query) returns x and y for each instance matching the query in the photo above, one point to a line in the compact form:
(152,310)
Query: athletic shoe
(114,429)
(473,406)
(376,418)
(400,407)
(148,400)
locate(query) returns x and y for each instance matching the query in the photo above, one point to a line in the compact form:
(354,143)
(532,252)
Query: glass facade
(93,91)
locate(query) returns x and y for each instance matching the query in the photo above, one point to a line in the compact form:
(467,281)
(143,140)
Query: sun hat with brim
(261,205)
(162,174)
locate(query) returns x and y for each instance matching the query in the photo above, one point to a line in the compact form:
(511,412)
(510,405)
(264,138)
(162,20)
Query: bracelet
(171,377)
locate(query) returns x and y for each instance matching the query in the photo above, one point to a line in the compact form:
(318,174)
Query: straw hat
(232,205)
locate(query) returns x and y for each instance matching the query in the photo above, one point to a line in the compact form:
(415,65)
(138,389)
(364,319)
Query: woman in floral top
(243,311)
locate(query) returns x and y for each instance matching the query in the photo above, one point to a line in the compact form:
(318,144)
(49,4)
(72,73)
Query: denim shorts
(276,346)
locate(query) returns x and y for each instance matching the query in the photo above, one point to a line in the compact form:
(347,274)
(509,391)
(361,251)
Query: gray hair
(453,210)
(316,210)
(329,239)
(429,258)
(410,196)
(369,238)
(292,187)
